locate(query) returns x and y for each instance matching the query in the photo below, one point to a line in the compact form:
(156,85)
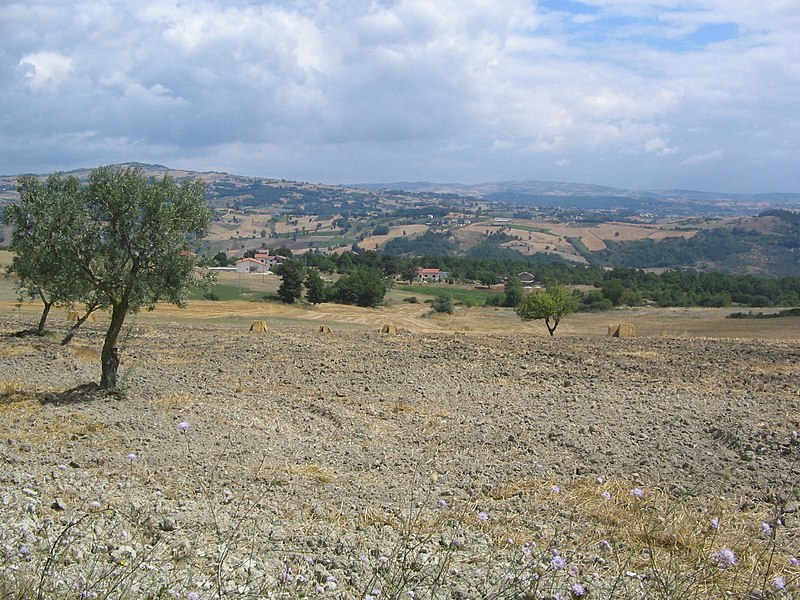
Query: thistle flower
(577,590)
(724,558)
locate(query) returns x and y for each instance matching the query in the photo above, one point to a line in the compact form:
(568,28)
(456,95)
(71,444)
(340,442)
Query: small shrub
(443,304)
(411,300)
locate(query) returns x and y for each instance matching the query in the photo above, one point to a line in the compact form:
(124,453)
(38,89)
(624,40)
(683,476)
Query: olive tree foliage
(551,305)
(46,221)
(121,242)
(132,246)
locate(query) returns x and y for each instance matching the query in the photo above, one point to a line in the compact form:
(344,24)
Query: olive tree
(46,220)
(132,245)
(551,305)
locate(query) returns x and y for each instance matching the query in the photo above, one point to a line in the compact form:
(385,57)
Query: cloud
(45,68)
(475,89)
(659,147)
(700,159)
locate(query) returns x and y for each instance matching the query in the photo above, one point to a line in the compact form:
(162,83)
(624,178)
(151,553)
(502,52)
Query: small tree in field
(551,305)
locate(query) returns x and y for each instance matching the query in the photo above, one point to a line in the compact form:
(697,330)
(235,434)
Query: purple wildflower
(483,516)
(795,561)
(558,562)
(95,505)
(132,457)
(183,426)
(715,523)
(605,545)
(724,558)
(766,528)
(637,492)
(555,489)
(193,596)
(577,590)
(606,495)
(779,583)
(442,503)
(383,559)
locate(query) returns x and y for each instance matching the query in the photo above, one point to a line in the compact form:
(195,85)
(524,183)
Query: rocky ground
(356,464)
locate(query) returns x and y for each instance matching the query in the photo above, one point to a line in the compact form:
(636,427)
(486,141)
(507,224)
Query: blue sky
(694,94)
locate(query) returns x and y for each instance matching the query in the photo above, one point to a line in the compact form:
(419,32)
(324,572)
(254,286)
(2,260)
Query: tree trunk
(43,319)
(110,354)
(551,330)
(74,329)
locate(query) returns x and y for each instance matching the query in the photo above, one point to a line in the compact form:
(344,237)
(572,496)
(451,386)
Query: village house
(431,275)
(526,279)
(260,263)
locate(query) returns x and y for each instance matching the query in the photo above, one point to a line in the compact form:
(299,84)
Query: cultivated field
(467,457)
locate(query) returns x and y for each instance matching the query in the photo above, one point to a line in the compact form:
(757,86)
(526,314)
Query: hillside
(525,221)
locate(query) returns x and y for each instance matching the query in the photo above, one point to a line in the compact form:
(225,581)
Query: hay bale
(389,329)
(325,329)
(622,330)
(259,326)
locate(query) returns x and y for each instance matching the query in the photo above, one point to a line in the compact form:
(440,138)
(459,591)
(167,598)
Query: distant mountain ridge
(592,196)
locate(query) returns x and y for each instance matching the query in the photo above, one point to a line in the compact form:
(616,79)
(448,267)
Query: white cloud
(700,159)
(659,147)
(476,89)
(45,68)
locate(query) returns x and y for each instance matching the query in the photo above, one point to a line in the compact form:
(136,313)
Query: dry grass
(314,471)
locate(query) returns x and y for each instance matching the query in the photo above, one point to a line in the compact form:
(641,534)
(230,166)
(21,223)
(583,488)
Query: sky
(638,94)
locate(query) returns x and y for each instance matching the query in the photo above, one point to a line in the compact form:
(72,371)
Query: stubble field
(458,459)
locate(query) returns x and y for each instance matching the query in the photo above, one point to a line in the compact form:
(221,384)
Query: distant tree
(221,259)
(381,230)
(551,305)
(291,287)
(362,287)
(315,287)
(513,290)
(282,251)
(409,272)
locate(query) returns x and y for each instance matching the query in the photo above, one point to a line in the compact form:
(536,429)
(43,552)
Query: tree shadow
(86,392)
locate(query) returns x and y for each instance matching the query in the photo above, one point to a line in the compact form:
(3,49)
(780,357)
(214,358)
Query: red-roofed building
(424,274)
(261,263)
